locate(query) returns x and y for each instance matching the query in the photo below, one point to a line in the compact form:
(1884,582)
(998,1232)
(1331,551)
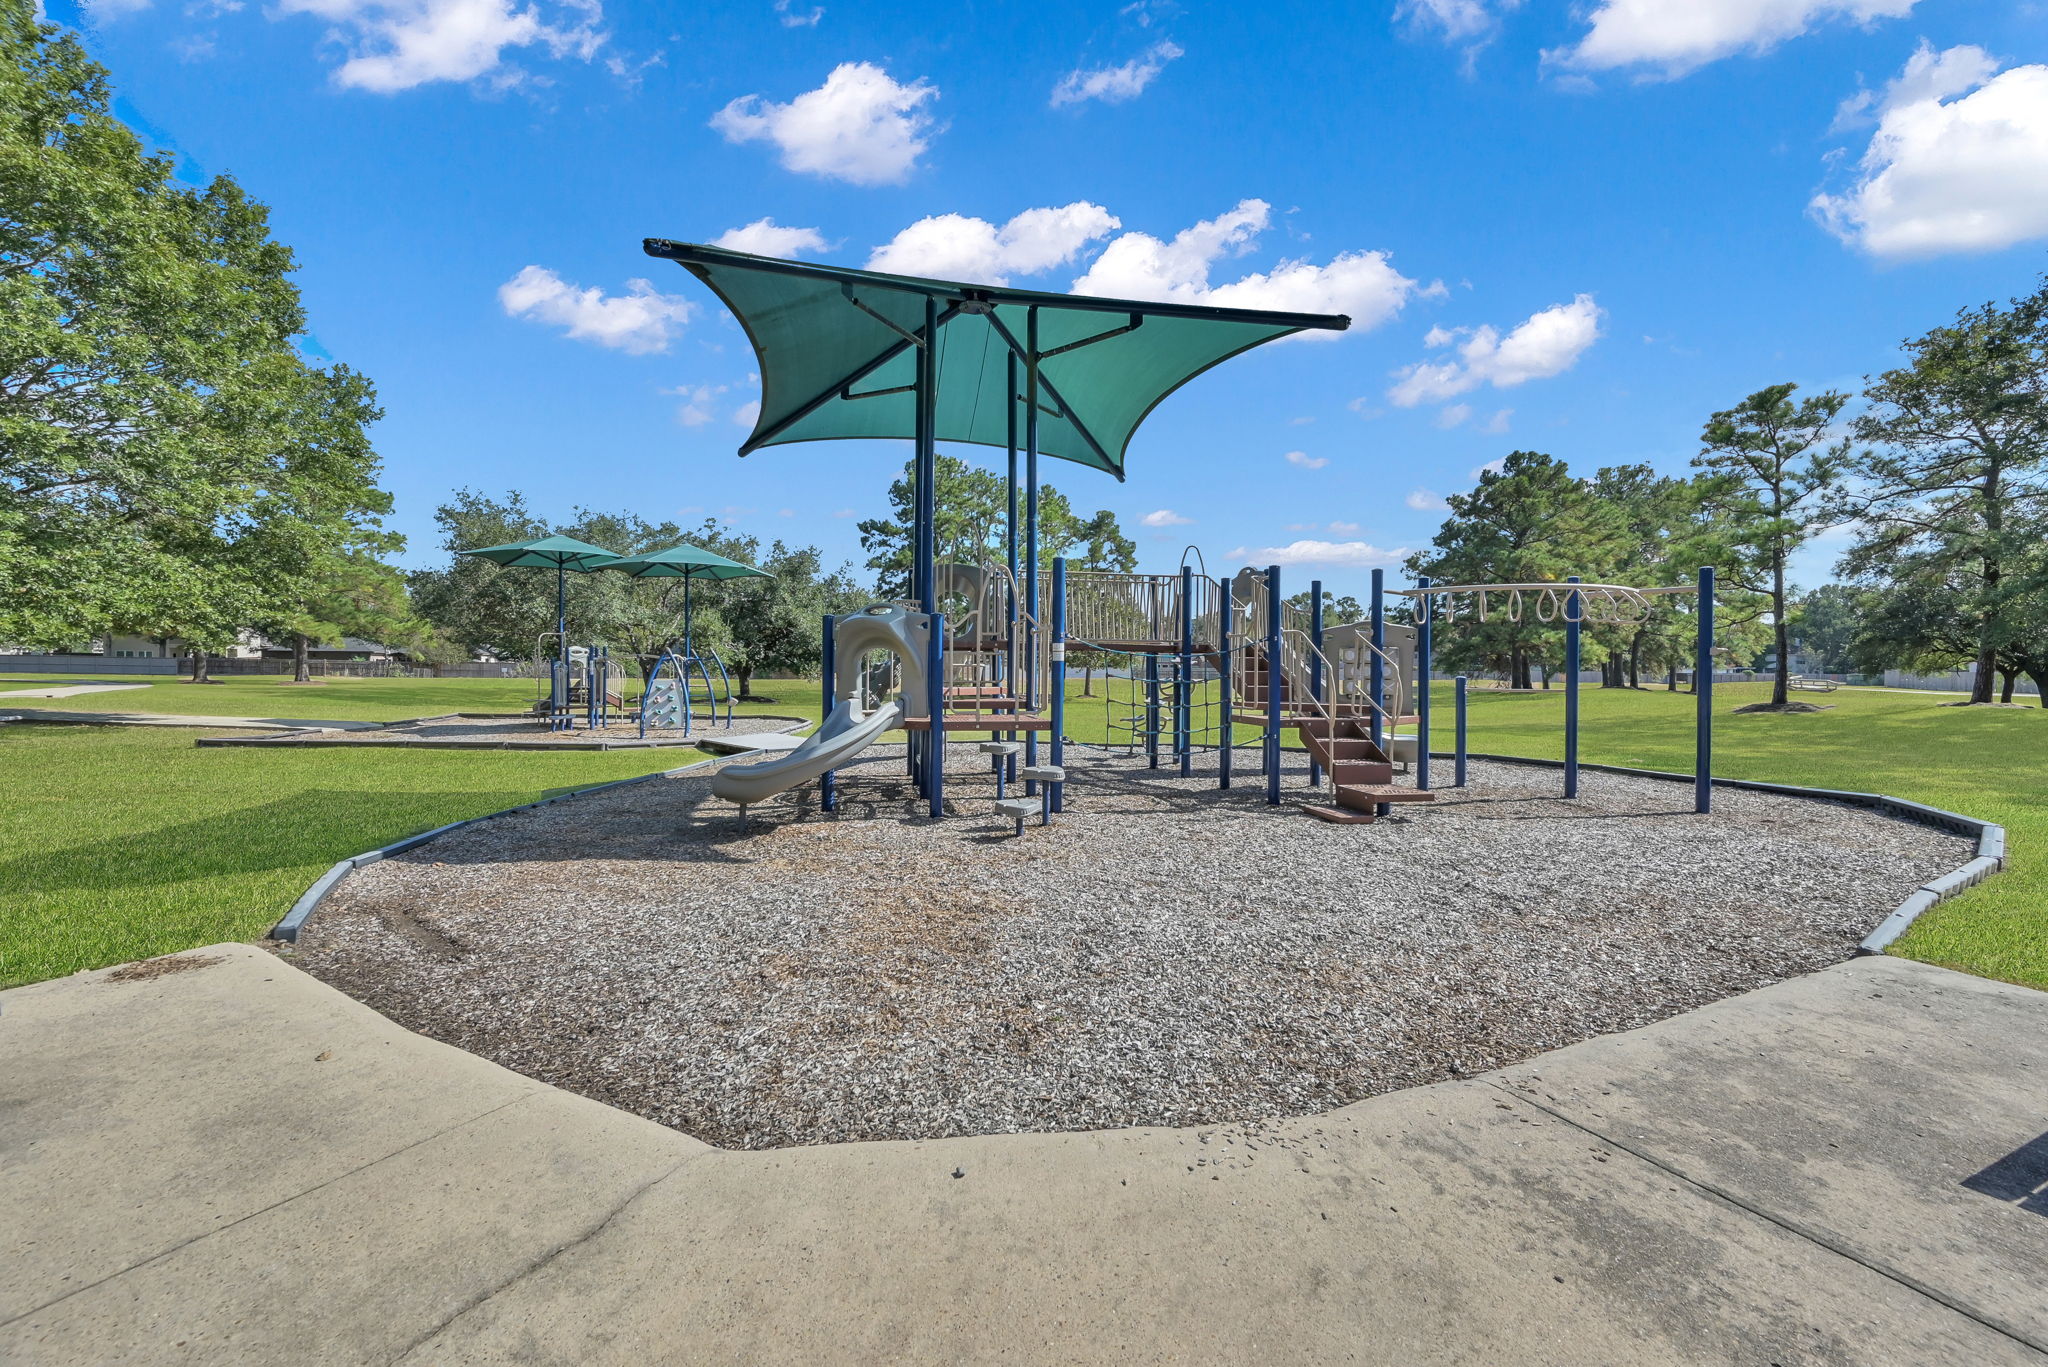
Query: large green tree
(1951,492)
(155,409)
(973,506)
(1779,460)
(1530,521)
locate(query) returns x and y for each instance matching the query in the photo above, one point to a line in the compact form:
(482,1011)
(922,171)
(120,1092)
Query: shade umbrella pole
(688,619)
(562,609)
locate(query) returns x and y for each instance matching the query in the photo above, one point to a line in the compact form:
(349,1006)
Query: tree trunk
(1088,681)
(1781,635)
(302,663)
(1671,679)
(2040,678)
(746,673)
(2007,676)
(1635,661)
(199,672)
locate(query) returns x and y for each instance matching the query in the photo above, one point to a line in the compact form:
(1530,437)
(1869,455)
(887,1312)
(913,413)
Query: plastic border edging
(309,901)
(1990,835)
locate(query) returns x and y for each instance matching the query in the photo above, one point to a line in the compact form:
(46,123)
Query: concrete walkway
(51,714)
(67,690)
(232,1163)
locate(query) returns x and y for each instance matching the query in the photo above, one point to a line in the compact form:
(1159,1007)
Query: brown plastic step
(1369,795)
(1360,773)
(1341,816)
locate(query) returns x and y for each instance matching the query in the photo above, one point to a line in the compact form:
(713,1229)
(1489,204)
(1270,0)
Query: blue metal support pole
(1183,693)
(1031,603)
(935,701)
(828,790)
(1151,711)
(1379,664)
(1703,686)
(1226,611)
(1275,678)
(1014,654)
(1458,764)
(1573,609)
(1315,663)
(1424,619)
(1058,796)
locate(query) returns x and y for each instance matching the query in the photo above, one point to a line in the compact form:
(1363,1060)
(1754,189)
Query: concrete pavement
(52,714)
(233,1163)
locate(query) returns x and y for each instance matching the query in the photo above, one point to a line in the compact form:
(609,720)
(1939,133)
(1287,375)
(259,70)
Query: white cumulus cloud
(1138,265)
(1165,517)
(860,126)
(766,237)
(1426,501)
(1547,343)
(697,400)
(1115,84)
(1672,37)
(1946,170)
(1307,461)
(1351,554)
(639,321)
(395,45)
(956,247)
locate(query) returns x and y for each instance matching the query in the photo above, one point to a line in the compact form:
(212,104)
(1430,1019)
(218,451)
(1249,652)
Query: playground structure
(983,649)
(583,680)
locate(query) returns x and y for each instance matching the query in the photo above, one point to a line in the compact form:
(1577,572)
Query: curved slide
(845,734)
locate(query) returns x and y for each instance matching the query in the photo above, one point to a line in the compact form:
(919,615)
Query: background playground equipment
(665,700)
(552,653)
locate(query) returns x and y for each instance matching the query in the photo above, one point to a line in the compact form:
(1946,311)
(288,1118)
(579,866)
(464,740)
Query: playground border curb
(287,929)
(1990,835)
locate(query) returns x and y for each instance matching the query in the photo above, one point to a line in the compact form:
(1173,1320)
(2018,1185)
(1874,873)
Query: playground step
(1044,773)
(1001,747)
(987,721)
(1368,795)
(1341,816)
(1019,808)
(1354,772)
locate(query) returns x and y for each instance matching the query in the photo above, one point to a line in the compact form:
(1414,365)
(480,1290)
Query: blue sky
(1573,228)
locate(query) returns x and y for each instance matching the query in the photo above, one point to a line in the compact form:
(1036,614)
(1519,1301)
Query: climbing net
(1595,605)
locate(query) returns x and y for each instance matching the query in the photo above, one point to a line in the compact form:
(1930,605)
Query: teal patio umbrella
(689,564)
(560,553)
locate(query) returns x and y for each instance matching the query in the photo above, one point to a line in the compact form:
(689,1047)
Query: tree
(1951,486)
(1780,460)
(1826,623)
(973,505)
(1663,540)
(1530,521)
(341,594)
(484,606)
(154,406)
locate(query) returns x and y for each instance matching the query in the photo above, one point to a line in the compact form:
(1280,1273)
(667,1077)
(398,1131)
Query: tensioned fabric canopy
(547,552)
(683,562)
(837,351)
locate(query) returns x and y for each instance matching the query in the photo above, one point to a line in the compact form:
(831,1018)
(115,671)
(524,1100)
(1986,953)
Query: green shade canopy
(547,552)
(683,562)
(837,352)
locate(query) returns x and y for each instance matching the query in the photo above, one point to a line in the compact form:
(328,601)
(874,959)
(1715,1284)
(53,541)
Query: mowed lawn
(118,843)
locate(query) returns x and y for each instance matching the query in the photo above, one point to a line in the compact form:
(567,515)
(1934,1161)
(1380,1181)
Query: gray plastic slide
(845,734)
(848,731)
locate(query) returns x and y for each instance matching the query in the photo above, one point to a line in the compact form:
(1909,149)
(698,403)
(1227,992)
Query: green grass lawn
(118,843)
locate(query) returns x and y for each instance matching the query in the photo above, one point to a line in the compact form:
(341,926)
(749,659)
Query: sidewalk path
(67,690)
(233,1163)
(51,714)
